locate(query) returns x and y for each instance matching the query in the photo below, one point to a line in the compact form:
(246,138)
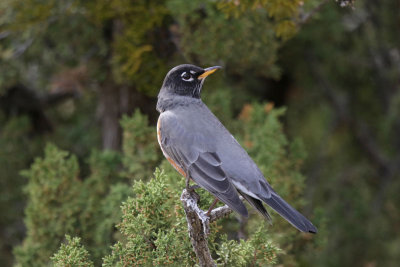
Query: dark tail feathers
(257,204)
(289,213)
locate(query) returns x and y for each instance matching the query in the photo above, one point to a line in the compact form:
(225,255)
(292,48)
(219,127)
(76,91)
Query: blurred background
(71,70)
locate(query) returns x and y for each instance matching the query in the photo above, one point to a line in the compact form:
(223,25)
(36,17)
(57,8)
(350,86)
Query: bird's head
(186,80)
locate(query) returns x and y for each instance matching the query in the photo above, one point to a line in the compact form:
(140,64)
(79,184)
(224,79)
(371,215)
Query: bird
(200,148)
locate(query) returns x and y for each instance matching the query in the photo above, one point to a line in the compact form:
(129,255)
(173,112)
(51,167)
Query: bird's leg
(212,206)
(187,182)
(188,187)
(187,178)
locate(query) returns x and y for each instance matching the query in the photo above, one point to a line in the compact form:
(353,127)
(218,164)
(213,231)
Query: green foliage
(101,192)
(284,14)
(17,150)
(56,27)
(154,232)
(256,251)
(72,254)
(134,54)
(153,228)
(140,147)
(74,33)
(349,57)
(52,208)
(61,203)
(212,37)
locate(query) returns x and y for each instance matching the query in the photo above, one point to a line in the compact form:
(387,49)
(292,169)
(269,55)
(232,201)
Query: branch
(306,17)
(4,34)
(219,213)
(346,3)
(199,225)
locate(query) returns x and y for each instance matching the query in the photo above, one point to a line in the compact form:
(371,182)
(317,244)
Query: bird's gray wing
(195,154)
(251,184)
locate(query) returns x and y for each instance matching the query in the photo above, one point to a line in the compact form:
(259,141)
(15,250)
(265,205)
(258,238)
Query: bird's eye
(186,76)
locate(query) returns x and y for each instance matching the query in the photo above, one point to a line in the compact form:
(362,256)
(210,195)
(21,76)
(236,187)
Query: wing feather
(196,155)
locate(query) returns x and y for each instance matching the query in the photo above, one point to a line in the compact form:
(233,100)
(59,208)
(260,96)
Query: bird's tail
(257,204)
(290,214)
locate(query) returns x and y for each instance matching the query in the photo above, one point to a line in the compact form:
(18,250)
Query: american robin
(200,148)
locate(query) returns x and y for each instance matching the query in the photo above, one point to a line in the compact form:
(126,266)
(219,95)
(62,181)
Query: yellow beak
(208,71)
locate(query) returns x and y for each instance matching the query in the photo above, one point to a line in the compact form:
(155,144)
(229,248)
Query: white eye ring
(186,77)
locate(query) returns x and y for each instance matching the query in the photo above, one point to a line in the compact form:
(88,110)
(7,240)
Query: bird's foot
(192,193)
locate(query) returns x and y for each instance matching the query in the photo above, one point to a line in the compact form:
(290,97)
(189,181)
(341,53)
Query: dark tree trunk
(109,113)
(114,101)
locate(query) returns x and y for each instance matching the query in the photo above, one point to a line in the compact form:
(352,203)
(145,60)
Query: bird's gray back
(236,163)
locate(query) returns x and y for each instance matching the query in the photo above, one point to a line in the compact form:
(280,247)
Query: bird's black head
(186,80)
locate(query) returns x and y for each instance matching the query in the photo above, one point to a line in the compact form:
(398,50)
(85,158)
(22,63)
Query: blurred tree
(140,148)
(113,55)
(67,48)
(17,150)
(132,32)
(107,41)
(345,104)
(19,100)
(53,207)
(242,36)
(60,202)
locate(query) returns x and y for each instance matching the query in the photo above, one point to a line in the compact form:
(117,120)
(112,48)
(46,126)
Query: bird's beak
(208,71)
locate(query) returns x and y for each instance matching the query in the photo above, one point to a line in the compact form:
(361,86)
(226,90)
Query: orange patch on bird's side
(158,131)
(179,169)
